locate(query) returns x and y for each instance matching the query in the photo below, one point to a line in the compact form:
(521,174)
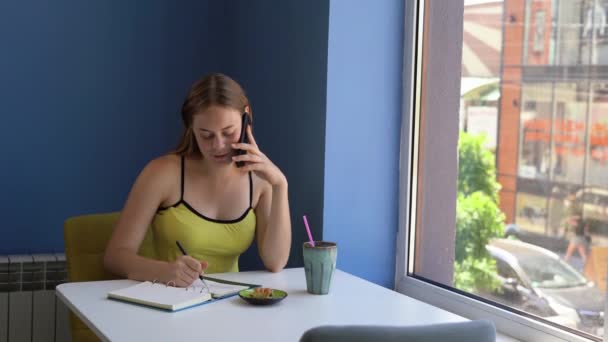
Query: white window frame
(443,65)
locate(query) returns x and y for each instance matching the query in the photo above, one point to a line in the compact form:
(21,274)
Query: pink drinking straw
(312,243)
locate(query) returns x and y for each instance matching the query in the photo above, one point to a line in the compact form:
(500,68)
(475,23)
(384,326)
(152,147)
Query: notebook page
(219,289)
(160,295)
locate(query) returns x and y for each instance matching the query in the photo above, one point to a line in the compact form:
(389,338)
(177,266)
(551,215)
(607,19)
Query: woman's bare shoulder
(166,163)
(163,170)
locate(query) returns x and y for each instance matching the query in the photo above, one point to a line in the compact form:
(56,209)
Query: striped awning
(482,38)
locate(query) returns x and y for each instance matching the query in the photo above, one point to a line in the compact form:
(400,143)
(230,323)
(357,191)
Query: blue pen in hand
(179,245)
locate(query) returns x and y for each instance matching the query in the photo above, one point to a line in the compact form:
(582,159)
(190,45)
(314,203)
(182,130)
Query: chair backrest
(85,240)
(469,331)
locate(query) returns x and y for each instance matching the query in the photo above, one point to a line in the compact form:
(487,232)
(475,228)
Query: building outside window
(561,72)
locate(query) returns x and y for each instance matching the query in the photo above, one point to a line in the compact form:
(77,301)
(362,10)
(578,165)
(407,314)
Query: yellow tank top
(219,242)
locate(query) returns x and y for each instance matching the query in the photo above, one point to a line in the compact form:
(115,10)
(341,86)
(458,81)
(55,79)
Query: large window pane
(535,136)
(532,182)
(568,28)
(595,193)
(568,138)
(598,137)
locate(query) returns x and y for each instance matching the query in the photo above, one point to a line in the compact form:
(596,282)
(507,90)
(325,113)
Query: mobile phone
(243,138)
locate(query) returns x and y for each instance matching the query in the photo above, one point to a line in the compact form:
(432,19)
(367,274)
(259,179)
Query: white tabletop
(351,300)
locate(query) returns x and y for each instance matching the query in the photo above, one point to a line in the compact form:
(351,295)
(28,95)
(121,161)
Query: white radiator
(29,309)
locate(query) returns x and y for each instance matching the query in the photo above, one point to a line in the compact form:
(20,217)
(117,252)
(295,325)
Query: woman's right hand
(183,271)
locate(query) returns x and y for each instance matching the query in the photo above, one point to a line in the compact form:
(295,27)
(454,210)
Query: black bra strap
(250,190)
(181,195)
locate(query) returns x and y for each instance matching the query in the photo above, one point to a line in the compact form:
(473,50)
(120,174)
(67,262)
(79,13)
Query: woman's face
(215,130)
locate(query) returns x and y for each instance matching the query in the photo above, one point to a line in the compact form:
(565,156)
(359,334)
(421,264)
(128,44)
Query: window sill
(509,326)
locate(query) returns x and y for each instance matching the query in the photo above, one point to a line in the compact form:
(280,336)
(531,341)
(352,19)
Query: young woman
(197,196)
(578,230)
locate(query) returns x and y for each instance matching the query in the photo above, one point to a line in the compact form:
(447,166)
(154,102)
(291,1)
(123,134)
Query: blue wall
(362,135)
(90,91)
(94,91)
(278,52)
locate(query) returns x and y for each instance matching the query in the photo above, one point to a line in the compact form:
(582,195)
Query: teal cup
(319,265)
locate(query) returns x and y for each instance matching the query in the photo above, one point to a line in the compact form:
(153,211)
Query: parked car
(537,281)
(595,203)
(552,243)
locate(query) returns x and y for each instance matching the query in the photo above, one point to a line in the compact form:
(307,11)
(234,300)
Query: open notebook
(171,298)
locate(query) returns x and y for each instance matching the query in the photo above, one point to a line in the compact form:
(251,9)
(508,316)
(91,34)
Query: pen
(179,245)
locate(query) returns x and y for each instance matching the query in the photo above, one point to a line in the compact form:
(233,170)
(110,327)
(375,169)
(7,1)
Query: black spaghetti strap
(250,190)
(181,195)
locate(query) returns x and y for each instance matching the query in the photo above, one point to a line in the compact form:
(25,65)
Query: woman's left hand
(257,162)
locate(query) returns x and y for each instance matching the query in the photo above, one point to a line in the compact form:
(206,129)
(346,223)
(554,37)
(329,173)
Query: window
(504,144)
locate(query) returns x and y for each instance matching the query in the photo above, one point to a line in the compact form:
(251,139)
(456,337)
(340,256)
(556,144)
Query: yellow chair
(85,239)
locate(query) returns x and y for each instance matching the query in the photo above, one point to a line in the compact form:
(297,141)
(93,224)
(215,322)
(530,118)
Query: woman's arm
(152,187)
(273,226)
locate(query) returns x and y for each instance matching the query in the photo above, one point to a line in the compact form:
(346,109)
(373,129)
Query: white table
(351,300)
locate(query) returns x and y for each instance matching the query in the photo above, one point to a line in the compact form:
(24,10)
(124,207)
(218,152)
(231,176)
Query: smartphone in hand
(243,138)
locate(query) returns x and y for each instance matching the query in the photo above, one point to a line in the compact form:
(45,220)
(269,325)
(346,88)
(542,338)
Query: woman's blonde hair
(212,90)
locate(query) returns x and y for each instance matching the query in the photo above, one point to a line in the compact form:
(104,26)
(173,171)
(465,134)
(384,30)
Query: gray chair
(470,331)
